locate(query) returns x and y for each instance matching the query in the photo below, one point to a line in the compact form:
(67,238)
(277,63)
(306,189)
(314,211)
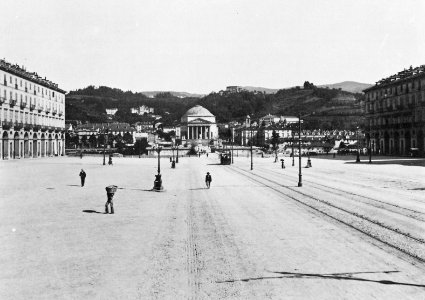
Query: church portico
(198,124)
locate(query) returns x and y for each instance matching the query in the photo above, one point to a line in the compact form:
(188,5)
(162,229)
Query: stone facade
(395,113)
(32,114)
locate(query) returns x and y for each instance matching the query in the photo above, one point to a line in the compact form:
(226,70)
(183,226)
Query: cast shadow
(73,185)
(90,211)
(333,276)
(401,162)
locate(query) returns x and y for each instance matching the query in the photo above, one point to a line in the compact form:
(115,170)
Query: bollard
(173,164)
(157,184)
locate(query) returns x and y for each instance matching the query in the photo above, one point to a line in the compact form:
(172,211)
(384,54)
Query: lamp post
(248,123)
(104,144)
(157,185)
(232,145)
(177,157)
(358,150)
(293,154)
(300,183)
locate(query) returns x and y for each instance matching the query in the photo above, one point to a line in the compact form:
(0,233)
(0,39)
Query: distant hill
(152,94)
(328,108)
(260,89)
(348,86)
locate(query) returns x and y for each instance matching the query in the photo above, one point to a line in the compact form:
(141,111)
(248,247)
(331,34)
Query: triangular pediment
(199,121)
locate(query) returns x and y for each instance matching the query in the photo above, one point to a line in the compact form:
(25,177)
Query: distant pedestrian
(83,177)
(81,154)
(283,163)
(109,202)
(207,154)
(208,180)
(110,159)
(334,155)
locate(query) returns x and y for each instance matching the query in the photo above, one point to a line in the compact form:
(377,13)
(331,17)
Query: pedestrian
(83,177)
(207,154)
(283,163)
(109,202)
(81,154)
(110,159)
(208,180)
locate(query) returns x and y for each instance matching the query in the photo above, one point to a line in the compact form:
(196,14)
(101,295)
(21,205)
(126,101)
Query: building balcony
(60,113)
(23,104)
(48,110)
(5,83)
(36,128)
(40,109)
(32,106)
(18,125)
(16,86)
(6,125)
(12,102)
(2,100)
(54,112)
(28,127)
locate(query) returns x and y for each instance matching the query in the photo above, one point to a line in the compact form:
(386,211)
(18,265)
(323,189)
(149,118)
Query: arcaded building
(32,114)
(198,124)
(395,113)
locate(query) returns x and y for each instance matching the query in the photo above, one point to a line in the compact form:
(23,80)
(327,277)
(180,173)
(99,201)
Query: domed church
(198,123)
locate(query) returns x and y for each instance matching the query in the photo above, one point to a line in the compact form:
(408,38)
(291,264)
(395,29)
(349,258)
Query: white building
(111,111)
(32,114)
(198,124)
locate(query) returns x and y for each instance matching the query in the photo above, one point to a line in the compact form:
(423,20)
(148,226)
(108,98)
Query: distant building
(233,89)
(141,110)
(198,124)
(32,114)
(111,111)
(97,129)
(395,113)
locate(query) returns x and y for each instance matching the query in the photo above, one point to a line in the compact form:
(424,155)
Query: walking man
(109,202)
(83,177)
(208,180)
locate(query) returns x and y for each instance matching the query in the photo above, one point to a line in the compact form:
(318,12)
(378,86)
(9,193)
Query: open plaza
(252,235)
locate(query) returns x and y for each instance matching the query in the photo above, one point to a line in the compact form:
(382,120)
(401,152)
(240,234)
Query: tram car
(225,158)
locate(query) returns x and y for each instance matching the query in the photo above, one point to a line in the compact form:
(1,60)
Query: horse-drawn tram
(225,158)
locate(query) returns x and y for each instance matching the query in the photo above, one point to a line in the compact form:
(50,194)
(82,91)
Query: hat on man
(208,172)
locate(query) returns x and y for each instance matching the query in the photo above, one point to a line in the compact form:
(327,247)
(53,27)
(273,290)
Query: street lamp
(300,183)
(358,150)
(105,137)
(157,185)
(293,154)
(177,157)
(232,145)
(250,128)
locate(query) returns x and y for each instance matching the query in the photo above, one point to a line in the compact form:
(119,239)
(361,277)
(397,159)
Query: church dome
(198,111)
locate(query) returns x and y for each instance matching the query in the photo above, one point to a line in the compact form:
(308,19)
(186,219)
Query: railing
(6,124)
(18,125)
(54,111)
(36,128)
(47,110)
(39,108)
(32,106)
(12,102)
(60,113)
(23,104)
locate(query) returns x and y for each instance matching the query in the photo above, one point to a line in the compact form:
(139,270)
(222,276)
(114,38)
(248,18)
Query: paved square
(253,235)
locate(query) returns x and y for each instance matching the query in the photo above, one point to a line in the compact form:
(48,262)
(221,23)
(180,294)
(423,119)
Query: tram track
(375,229)
(393,208)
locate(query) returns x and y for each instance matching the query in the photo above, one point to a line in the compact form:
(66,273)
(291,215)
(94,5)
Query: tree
(140,146)
(275,143)
(92,141)
(128,138)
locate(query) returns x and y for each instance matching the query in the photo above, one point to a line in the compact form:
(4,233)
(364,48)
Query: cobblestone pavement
(353,231)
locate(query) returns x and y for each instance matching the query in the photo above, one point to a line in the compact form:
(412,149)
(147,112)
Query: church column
(202,132)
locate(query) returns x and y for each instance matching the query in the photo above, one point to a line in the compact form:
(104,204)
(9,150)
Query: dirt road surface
(352,231)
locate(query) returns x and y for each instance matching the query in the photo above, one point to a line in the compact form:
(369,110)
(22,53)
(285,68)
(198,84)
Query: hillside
(329,108)
(348,86)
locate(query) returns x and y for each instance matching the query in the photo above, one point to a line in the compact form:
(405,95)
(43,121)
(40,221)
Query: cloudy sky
(202,46)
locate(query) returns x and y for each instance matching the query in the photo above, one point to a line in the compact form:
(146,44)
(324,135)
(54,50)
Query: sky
(201,46)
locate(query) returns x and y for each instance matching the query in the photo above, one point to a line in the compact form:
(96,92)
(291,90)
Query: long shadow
(204,188)
(215,164)
(73,185)
(133,189)
(90,211)
(402,162)
(333,276)
(418,189)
